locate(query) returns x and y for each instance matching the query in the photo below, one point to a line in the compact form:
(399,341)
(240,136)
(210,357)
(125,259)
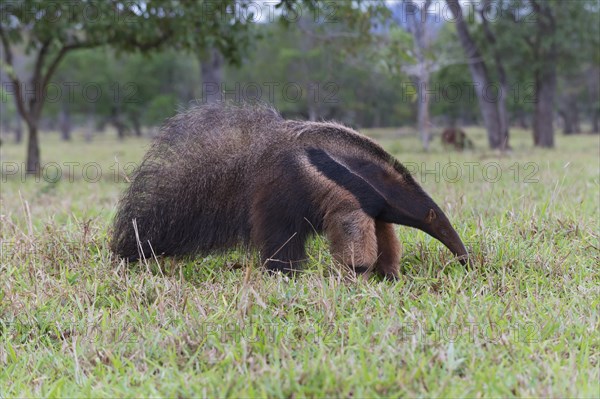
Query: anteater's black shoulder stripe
(371,201)
(369,146)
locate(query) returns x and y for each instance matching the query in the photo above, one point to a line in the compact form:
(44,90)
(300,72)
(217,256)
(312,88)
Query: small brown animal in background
(221,176)
(456,138)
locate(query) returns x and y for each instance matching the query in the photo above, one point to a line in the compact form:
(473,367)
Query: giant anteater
(219,176)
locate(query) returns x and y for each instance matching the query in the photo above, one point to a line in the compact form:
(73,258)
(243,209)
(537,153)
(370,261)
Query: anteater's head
(437,225)
(409,205)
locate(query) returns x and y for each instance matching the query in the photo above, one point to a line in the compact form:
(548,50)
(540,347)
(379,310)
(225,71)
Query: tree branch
(491,38)
(35,77)
(39,62)
(150,45)
(470,48)
(536,6)
(52,68)
(6,45)
(545,11)
(19,100)
(486,25)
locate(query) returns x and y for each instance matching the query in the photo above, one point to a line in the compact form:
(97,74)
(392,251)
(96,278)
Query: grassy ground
(74,322)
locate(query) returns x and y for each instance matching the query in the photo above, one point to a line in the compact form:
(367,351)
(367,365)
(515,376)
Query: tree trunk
(423,112)
(137,127)
(212,76)
(101,125)
(89,132)
(312,112)
(311,101)
(545,74)
(543,117)
(574,114)
(18,129)
(417,17)
(33,151)
(65,123)
(569,113)
(502,78)
(522,120)
(481,79)
(567,121)
(120,129)
(503,114)
(117,122)
(377,118)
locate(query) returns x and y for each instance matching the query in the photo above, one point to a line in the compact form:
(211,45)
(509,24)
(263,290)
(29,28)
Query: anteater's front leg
(388,248)
(351,233)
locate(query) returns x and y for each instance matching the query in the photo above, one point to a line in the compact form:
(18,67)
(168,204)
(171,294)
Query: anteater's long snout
(453,242)
(438,226)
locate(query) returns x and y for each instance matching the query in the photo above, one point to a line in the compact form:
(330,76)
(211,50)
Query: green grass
(523,322)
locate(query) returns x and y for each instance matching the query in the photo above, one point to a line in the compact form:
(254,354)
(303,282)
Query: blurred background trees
(432,64)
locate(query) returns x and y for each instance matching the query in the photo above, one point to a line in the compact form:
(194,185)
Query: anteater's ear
(431,216)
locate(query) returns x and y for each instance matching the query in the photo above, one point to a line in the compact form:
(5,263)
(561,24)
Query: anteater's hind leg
(281,249)
(388,248)
(280,230)
(352,236)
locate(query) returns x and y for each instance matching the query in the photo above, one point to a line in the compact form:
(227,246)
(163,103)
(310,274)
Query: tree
(544,49)
(550,38)
(503,88)
(420,27)
(456,102)
(564,44)
(50,30)
(315,67)
(211,64)
(9,117)
(408,50)
(490,110)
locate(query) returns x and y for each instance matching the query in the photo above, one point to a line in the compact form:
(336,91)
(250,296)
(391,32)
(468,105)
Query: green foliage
(398,51)
(455,97)
(334,81)
(141,88)
(160,108)
(346,58)
(9,109)
(125,25)
(524,38)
